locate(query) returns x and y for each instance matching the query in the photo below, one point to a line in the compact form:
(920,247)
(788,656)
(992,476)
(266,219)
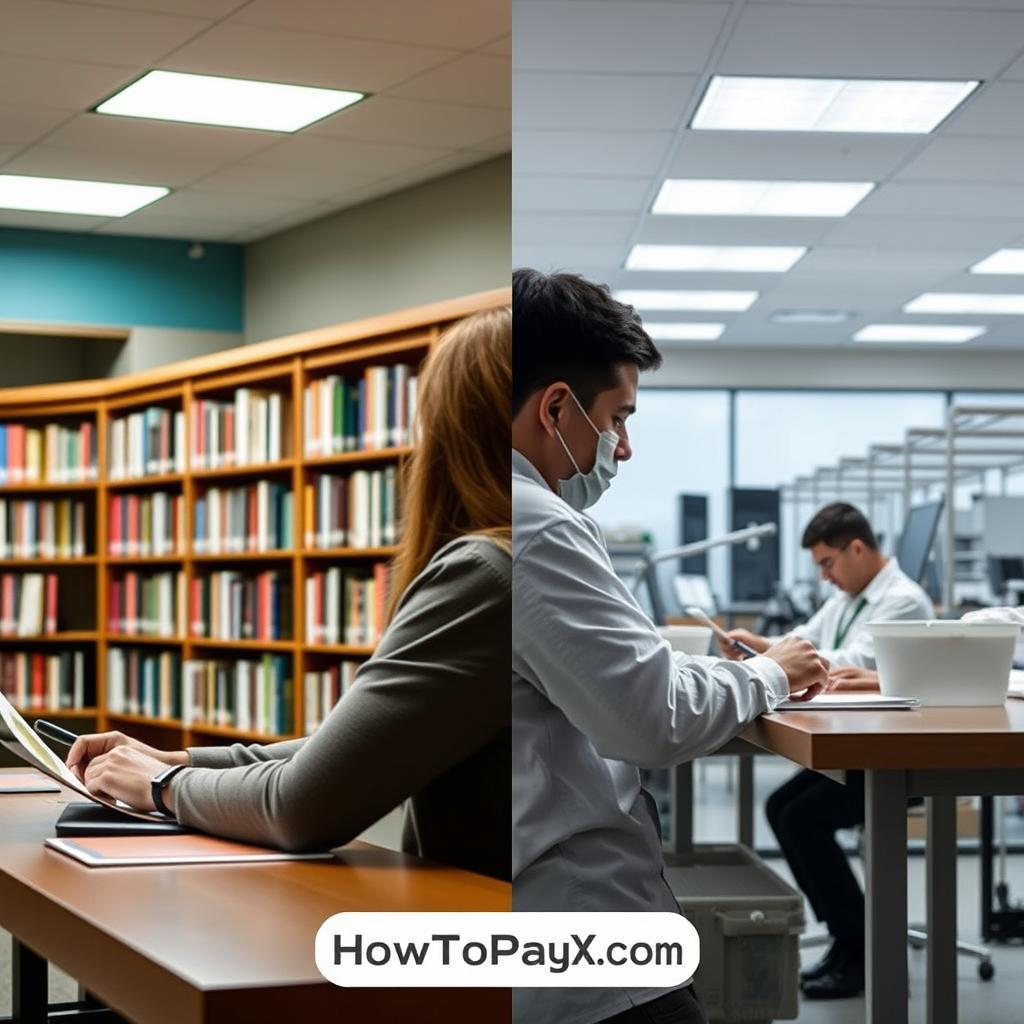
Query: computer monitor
(917,538)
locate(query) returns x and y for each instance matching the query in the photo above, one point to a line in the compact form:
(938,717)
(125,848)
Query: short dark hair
(567,328)
(837,525)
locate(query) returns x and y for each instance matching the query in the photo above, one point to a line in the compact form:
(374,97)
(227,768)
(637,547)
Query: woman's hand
(850,679)
(95,745)
(125,773)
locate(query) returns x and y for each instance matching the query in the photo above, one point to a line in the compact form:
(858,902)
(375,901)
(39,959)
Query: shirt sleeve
(435,692)
(242,753)
(585,643)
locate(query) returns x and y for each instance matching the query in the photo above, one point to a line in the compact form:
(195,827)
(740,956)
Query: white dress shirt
(596,692)
(839,627)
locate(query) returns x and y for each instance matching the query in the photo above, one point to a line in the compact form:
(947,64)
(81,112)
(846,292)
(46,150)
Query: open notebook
(18,737)
(850,702)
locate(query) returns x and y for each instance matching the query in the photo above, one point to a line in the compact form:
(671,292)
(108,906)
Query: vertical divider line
(187,565)
(299,637)
(102,569)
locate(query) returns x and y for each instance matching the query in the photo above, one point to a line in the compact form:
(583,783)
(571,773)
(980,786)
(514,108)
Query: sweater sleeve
(429,697)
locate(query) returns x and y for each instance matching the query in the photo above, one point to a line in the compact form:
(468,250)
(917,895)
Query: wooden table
(936,753)
(212,943)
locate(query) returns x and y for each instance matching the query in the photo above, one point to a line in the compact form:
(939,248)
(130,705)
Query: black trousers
(804,814)
(680,1006)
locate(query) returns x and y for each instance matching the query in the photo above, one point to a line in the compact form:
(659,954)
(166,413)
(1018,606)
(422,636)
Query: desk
(937,753)
(202,944)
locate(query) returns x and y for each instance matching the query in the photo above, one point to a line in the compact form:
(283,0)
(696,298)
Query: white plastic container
(688,639)
(945,663)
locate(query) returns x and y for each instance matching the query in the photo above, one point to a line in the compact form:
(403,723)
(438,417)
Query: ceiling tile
(154,225)
(62,84)
(994,110)
(26,124)
(539,192)
(870,260)
(198,8)
(968,160)
(790,156)
(924,200)
(502,47)
(225,207)
(308,185)
(494,147)
(869,42)
(605,153)
(734,230)
(561,35)
(102,35)
(593,101)
(48,221)
(96,165)
(599,260)
(459,24)
(924,232)
(303,58)
(574,229)
(415,123)
(477,79)
(7,151)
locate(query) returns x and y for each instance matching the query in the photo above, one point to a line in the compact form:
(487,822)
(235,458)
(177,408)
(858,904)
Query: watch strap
(157,785)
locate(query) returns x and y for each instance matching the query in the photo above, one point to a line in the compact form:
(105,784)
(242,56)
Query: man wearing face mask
(597,693)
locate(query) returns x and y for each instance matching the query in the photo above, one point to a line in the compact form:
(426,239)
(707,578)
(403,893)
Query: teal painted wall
(59,277)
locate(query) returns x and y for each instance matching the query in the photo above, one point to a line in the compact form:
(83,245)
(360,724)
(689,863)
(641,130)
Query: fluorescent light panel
(967,302)
(810,316)
(696,197)
(67,195)
(232,102)
(740,103)
(774,259)
(652,298)
(1003,261)
(684,332)
(948,333)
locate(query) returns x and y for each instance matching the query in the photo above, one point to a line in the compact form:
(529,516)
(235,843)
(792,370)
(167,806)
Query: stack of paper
(850,702)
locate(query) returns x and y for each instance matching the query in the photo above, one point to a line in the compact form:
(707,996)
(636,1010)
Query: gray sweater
(427,718)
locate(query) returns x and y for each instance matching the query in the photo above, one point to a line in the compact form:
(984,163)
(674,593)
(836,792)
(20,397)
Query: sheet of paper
(125,851)
(28,782)
(849,702)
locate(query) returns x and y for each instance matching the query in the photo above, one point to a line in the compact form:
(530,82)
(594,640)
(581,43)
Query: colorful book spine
(253,517)
(147,604)
(35,681)
(250,429)
(48,453)
(346,606)
(322,689)
(146,524)
(146,443)
(42,528)
(359,509)
(28,604)
(144,683)
(247,694)
(230,605)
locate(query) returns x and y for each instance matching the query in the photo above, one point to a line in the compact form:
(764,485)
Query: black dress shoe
(822,965)
(843,980)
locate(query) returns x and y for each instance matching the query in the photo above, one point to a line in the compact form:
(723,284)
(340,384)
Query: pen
(55,732)
(696,613)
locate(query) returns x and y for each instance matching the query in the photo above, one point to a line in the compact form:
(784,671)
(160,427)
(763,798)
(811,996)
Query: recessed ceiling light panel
(230,102)
(948,333)
(652,298)
(706,197)
(741,103)
(66,195)
(810,316)
(684,332)
(771,259)
(967,302)
(1003,261)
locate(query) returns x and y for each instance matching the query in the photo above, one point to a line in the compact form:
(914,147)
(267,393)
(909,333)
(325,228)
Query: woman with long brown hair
(428,715)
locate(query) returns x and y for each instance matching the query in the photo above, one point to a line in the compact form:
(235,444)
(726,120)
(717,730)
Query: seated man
(805,812)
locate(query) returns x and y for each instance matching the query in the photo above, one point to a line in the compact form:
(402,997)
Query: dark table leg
(29,996)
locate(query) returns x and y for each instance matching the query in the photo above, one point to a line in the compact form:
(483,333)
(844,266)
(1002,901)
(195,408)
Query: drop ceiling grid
(440,101)
(943,200)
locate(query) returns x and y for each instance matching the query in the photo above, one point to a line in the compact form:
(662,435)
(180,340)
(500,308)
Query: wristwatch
(157,785)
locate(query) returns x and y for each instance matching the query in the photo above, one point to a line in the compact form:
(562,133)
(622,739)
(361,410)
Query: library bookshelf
(89,576)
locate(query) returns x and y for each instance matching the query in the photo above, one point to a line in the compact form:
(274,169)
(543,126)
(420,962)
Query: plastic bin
(749,921)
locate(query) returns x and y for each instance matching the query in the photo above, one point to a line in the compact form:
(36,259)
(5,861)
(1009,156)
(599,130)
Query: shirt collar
(524,467)
(881,583)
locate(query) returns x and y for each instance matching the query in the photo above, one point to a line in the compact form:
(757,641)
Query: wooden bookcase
(286,364)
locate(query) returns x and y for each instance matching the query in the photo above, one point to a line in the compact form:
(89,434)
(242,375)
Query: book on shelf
(231,605)
(147,604)
(148,442)
(254,427)
(322,689)
(252,517)
(41,528)
(144,682)
(28,603)
(376,410)
(34,680)
(144,525)
(358,509)
(50,453)
(346,606)
(254,695)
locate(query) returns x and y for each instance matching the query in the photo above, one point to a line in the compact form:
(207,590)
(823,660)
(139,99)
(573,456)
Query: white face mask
(582,490)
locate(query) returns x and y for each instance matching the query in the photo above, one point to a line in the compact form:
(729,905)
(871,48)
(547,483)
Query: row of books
(145,524)
(377,410)
(243,694)
(52,453)
(144,682)
(357,510)
(147,442)
(28,604)
(346,606)
(253,427)
(322,689)
(147,604)
(36,680)
(229,605)
(253,517)
(42,528)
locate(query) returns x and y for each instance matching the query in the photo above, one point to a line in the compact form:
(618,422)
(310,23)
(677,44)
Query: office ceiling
(438,73)
(603,91)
